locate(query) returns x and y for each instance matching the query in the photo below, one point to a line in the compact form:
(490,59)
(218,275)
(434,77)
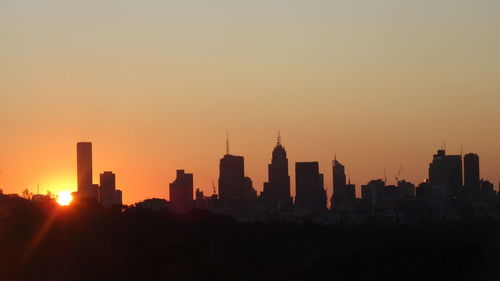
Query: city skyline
(85,150)
(249,140)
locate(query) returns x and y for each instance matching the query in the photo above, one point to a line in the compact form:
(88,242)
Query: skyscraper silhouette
(181,192)
(471,170)
(235,190)
(342,192)
(446,171)
(84,170)
(277,189)
(108,194)
(309,183)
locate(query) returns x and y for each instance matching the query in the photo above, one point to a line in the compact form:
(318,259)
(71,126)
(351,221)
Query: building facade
(445,172)
(84,170)
(277,189)
(181,192)
(311,194)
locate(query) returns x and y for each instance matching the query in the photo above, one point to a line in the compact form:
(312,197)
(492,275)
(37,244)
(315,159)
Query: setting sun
(64,198)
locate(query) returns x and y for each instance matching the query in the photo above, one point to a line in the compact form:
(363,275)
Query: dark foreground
(87,243)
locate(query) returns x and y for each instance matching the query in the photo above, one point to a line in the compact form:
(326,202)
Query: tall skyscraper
(84,169)
(471,170)
(341,192)
(277,189)
(311,194)
(108,194)
(235,190)
(446,171)
(181,192)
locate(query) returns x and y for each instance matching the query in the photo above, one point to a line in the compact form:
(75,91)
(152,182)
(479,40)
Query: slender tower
(277,188)
(84,167)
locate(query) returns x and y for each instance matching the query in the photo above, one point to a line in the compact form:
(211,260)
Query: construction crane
(385,175)
(399,174)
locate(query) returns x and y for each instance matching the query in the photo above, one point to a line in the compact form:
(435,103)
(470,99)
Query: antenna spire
(227,143)
(279,139)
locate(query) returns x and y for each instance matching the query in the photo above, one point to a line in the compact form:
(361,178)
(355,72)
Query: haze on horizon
(155,85)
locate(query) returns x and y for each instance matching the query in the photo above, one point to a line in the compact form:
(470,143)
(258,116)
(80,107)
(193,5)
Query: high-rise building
(231,177)
(339,177)
(471,170)
(235,190)
(118,197)
(84,169)
(277,188)
(108,194)
(342,192)
(311,194)
(181,192)
(445,171)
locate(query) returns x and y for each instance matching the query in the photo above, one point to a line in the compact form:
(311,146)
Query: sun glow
(64,198)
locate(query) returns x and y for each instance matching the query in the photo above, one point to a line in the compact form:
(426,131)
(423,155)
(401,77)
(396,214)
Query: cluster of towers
(236,193)
(105,192)
(451,177)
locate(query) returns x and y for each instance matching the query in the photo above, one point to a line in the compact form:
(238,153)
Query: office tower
(351,192)
(471,170)
(341,191)
(118,197)
(339,177)
(311,194)
(235,189)
(445,172)
(277,188)
(84,169)
(181,192)
(108,195)
(231,176)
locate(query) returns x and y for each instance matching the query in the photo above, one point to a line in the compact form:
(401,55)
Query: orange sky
(156,87)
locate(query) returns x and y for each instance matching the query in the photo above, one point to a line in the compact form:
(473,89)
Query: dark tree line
(40,241)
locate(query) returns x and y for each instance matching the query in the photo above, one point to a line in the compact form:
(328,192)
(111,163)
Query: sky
(156,85)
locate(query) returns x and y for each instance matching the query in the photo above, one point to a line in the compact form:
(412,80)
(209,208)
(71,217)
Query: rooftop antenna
(399,173)
(213,187)
(279,139)
(227,144)
(38,188)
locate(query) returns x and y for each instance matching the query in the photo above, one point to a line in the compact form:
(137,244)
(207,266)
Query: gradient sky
(155,85)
